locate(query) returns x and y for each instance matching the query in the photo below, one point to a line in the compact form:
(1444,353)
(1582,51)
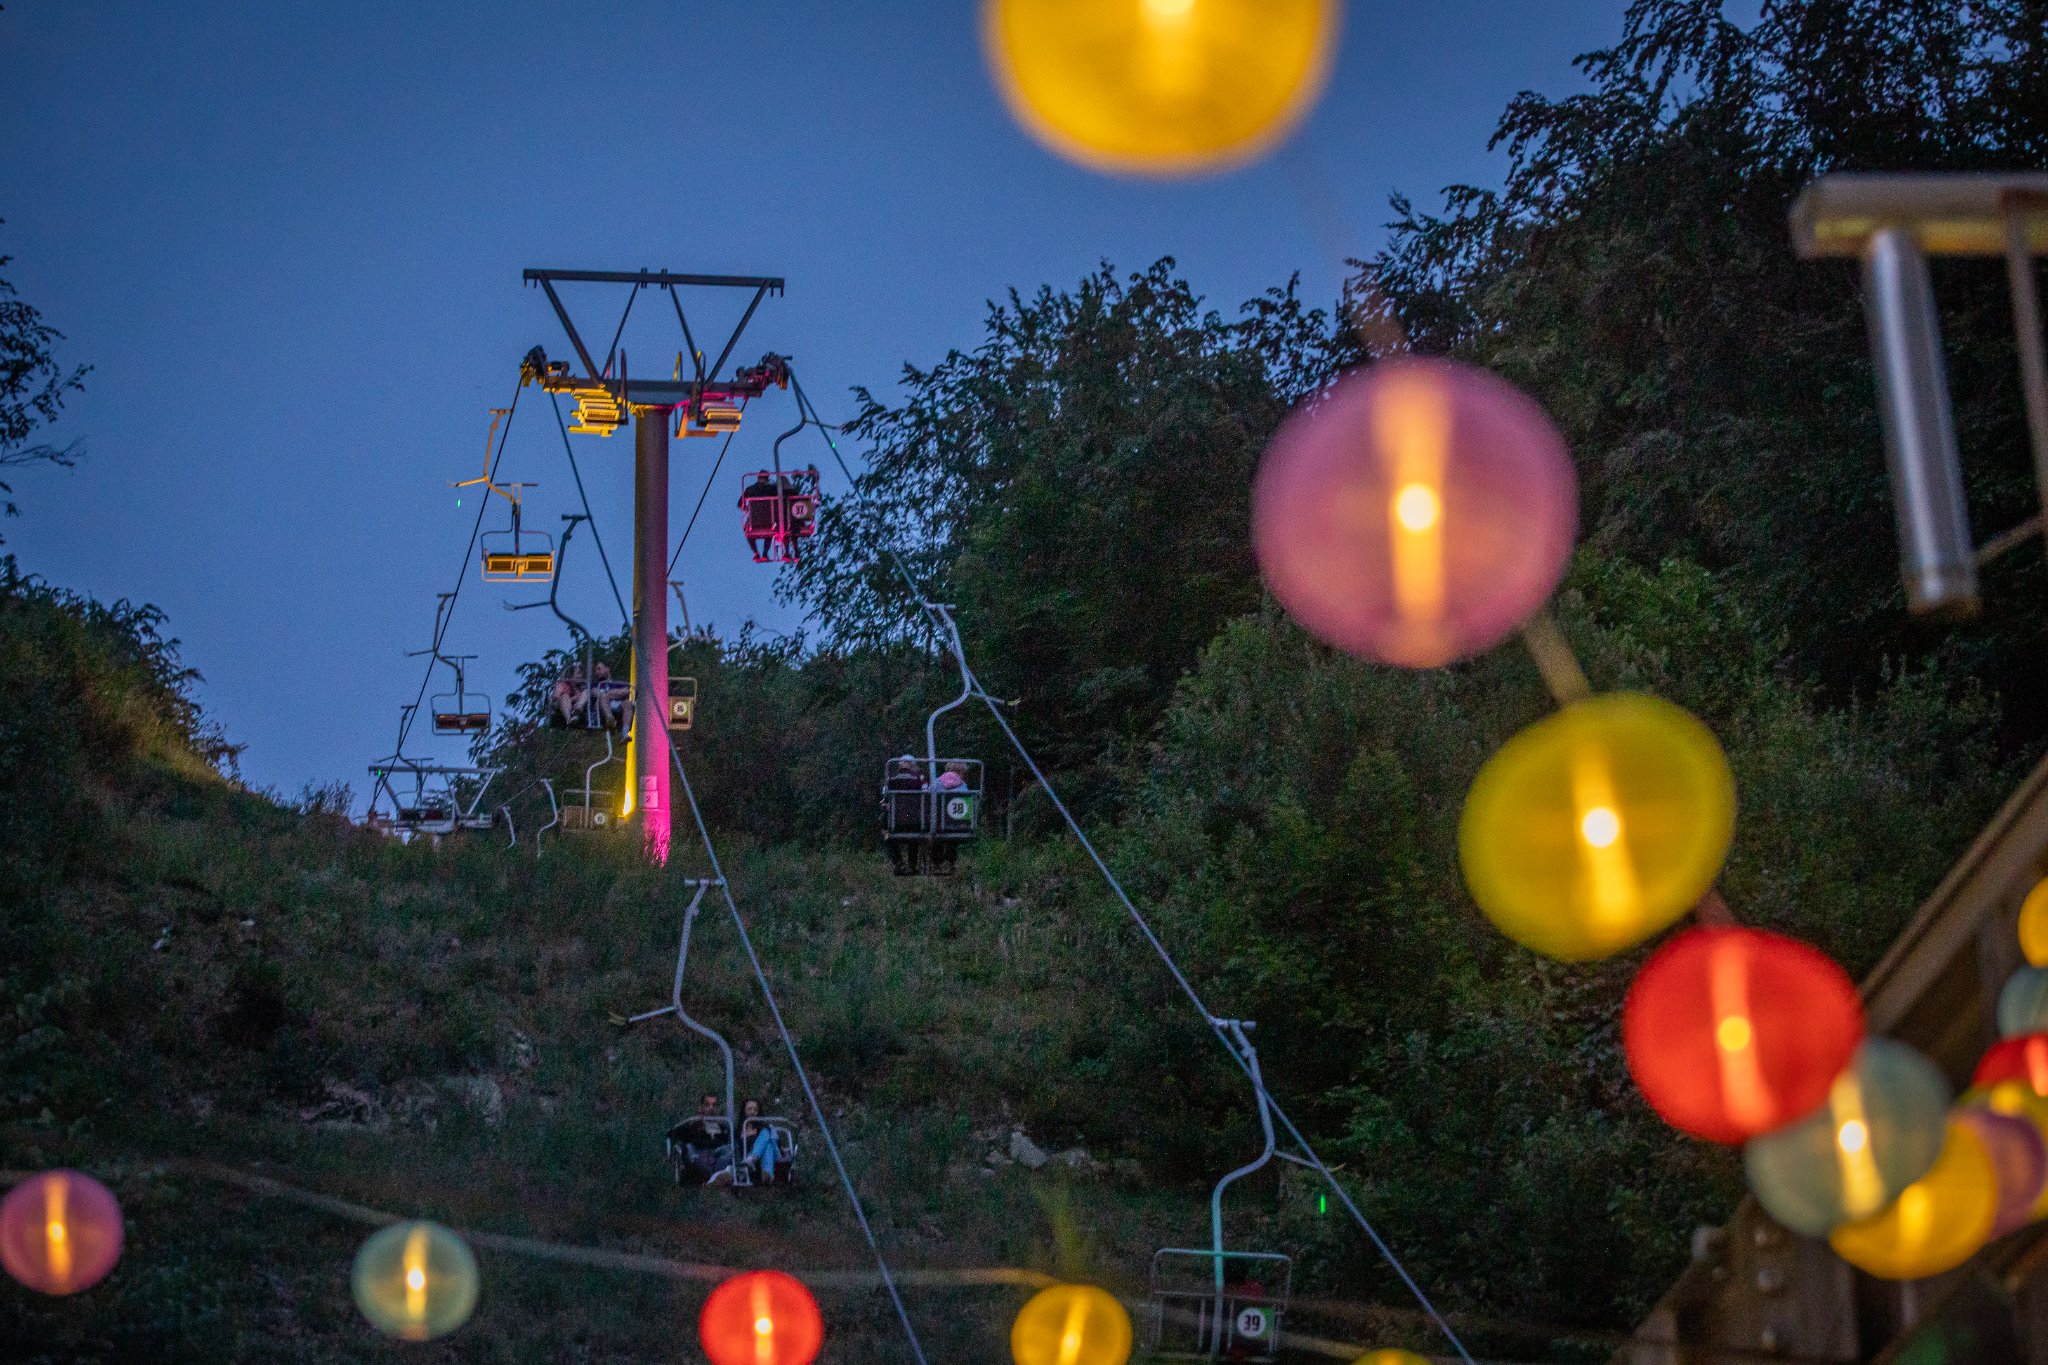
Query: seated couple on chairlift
(905,776)
(603,702)
(702,1148)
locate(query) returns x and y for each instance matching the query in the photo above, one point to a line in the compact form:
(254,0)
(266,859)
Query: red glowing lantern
(1417,512)
(1731,1033)
(2024,1058)
(763,1317)
(60,1232)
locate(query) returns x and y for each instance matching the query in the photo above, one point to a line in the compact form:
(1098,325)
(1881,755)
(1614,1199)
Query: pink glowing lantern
(60,1232)
(2019,1163)
(1416,512)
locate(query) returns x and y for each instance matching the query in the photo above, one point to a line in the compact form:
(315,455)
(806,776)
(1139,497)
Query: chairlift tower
(700,402)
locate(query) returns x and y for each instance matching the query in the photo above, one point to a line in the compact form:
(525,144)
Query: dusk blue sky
(288,237)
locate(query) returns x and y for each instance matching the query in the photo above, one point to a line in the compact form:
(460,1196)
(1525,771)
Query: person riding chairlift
(759,500)
(903,778)
(705,1142)
(757,1140)
(946,852)
(798,510)
(569,695)
(614,698)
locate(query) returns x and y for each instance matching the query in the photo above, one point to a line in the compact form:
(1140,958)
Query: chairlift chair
(515,554)
(711,414)
(779,509)
(682,703)
(1212,1303)
(702,1159)
(932,805)
(460,712)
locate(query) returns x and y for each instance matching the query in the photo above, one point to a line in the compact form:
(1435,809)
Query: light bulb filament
(1600,827)
(1417,508)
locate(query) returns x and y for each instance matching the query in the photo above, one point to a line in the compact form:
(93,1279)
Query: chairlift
(461,711)
(932,805)
(515,554)
(779,507)
(699,1149)
(1213,1303)
(436,800)
(592,810)
(682,703)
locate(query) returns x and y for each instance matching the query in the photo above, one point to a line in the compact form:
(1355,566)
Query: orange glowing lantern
(763,1317)
(1937,1222)
(1734,1032)
(1160,87)
(1598,826)
(2024,1058)
(1415,513)
(60,1232)
(1071,1324)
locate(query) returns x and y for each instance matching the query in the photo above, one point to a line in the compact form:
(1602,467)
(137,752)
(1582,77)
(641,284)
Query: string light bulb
(1415,513)
(1598,826)
(1734,1032)
(1936,1223)
(761,1317)
(1880,1129)
(1071,1324)
(60,1232)
(415,1281)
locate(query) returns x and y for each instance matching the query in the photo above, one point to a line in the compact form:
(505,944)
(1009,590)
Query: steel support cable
(570,450)
(860,1213)
(715,466)
(1158,946)
(468,553)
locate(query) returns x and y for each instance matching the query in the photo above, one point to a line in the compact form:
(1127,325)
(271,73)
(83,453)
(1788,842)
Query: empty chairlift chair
(1212,1303)
(461,712)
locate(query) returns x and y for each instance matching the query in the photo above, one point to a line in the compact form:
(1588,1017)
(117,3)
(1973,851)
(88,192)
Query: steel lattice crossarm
(705,403)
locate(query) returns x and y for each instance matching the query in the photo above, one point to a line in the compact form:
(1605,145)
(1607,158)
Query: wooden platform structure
(1756,1292)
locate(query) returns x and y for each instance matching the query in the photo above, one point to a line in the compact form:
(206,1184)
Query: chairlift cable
(1144,927)
(788,1040)
(775,1011)
(468,553)
(708,484)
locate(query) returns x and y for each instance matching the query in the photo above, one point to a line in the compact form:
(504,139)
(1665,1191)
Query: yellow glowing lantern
(1937,1222)
(1596,827)
(2034,924)
(1160,87)
(1880,1130)
(415,1281)
(1071,1324)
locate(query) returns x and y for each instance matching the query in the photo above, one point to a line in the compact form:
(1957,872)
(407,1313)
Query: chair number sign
(1252,1323)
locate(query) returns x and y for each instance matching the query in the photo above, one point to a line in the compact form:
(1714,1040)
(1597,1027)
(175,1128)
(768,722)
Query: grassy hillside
(198,982)
(202,989)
